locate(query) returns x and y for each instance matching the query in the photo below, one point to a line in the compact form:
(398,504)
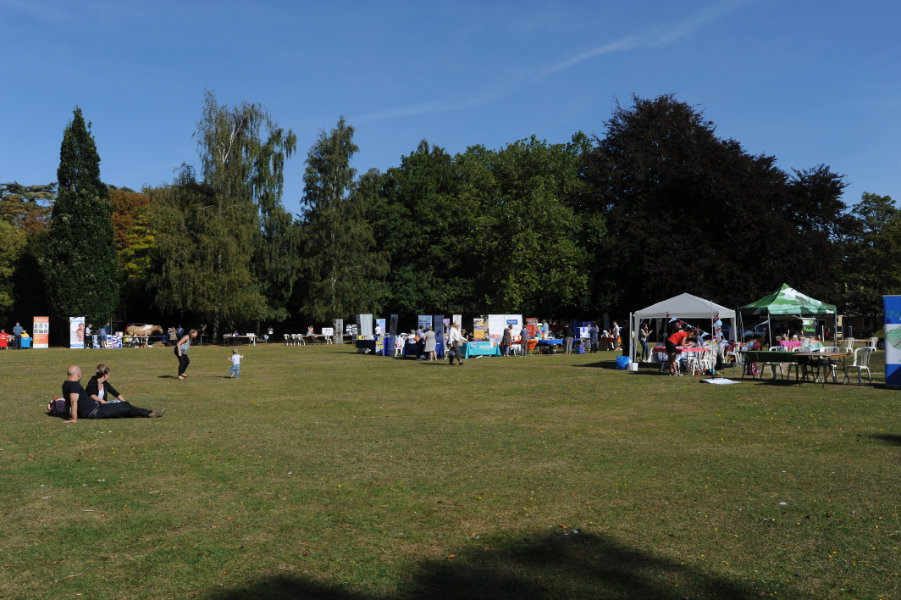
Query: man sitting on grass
(82,405)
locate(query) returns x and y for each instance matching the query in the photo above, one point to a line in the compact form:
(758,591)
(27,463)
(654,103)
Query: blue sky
(809,82)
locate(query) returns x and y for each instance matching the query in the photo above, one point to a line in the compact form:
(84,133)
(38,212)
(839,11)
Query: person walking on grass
(235,360)
(181,351)
(455,342)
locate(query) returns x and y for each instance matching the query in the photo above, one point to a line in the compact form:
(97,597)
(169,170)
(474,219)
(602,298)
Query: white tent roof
(685,306)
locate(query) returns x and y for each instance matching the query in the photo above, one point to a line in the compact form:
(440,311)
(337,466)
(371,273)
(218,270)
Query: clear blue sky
(806,81)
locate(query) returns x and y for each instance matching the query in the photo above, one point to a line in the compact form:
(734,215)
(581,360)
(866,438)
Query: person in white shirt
(455,344)
(235,360)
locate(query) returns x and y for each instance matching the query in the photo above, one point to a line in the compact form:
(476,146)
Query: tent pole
(632,337)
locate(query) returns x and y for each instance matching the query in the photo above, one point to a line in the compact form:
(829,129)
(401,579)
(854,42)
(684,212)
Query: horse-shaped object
(143,330)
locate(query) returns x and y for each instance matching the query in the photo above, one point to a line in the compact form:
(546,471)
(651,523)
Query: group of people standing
(613,337)
(15,338)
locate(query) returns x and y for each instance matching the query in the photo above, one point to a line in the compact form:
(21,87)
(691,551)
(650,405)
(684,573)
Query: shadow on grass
(551,566)
(888,438)
(603,364)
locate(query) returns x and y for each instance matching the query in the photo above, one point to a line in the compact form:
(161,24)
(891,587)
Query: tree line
(654,206)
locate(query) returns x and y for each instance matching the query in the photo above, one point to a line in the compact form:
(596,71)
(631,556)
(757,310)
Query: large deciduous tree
(79,262)
(11,250)
(688,211)
(872,254)
(205,245)
(342,265)
(533,260)
(242,153)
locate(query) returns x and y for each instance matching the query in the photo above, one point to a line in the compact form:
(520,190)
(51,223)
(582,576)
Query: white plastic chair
(861,363)
(849,344)
(773,365)
(735,358)
(830,365)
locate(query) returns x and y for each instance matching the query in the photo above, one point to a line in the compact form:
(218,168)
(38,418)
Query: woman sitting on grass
(100,390)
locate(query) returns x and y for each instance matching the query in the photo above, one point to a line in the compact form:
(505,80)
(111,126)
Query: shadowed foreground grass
(321,473)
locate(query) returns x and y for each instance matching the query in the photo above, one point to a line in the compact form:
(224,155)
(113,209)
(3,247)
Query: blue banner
(892,340)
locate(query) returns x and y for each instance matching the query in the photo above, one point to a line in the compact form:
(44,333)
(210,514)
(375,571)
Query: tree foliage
(79,261)
(687,211)
(243,153)
(342,264)
(872,254)
(28,206)
(205,244)
(10,252)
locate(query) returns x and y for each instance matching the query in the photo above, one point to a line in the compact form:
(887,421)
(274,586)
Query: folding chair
(861,363)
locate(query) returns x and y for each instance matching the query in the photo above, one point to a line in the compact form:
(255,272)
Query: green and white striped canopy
(789,301)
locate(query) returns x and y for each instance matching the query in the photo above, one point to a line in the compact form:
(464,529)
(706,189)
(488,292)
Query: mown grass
(321,473)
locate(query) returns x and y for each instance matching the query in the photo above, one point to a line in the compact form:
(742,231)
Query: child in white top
(235,360)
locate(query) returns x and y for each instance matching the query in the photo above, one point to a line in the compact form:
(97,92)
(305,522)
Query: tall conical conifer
(79,263)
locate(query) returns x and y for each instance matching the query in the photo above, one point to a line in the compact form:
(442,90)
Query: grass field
(321,473)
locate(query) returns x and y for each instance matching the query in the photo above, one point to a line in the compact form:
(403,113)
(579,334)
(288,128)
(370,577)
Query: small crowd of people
(14,339)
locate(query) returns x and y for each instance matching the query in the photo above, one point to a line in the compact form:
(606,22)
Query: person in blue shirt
(17,331)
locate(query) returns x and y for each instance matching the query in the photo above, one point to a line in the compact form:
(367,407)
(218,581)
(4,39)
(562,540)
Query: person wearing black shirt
(81,405)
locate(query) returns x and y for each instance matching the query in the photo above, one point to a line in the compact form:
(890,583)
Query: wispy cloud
(651,38)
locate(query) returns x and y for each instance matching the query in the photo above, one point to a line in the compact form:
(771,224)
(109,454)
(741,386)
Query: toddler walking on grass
(235,360)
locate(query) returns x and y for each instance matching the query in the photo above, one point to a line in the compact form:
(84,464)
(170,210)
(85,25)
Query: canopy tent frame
(787,301)
(683,306)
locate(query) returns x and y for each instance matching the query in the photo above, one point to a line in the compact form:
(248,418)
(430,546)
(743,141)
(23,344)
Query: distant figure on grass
(17,333)
(81,405)
(672,343)
(430,344)
(181,351)
(507,340)
(615,331)
(455,344)
(593,337)
(643,335)
(235,360)
(99,388)
(524,341)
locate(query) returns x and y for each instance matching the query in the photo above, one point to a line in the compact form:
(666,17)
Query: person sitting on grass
(81,405)
(99,388)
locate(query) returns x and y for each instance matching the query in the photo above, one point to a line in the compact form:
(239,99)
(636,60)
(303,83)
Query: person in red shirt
(672,343)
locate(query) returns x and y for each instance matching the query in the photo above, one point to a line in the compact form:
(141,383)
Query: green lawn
(322,473)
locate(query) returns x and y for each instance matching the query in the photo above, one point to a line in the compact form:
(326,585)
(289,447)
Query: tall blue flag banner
(892,340)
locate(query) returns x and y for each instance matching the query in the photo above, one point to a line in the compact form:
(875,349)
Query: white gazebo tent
(683,306)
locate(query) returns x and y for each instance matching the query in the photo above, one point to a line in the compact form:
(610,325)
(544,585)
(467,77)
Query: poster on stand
(41,332)
(478,328)
(532,326)
(364,326)
(892,341)
(424,321)
(76,332)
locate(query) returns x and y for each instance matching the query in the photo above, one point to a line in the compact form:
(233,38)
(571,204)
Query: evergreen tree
(79,262)
(342,265)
